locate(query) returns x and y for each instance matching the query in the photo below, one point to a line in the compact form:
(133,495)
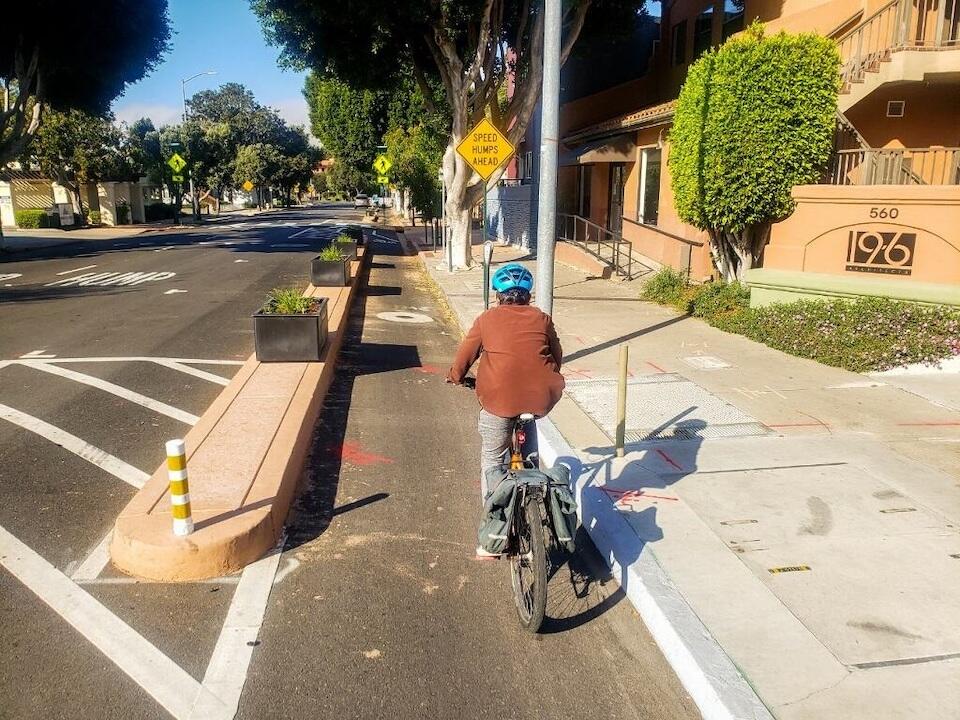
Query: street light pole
(549,129)
(183,93)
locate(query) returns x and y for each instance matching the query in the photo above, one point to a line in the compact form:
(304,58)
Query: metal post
(622,400)
(487,259)
(549,129)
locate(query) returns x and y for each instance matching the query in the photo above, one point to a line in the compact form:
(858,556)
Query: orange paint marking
(655,366)
(353,453)
(669,459)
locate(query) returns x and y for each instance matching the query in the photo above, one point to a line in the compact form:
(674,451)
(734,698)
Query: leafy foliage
(331,253)
(755,117)
(862,335)
(31,219)
(288,301)
(48,62)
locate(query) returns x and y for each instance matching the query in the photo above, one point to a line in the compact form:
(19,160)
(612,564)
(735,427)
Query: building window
(732,17)
(648,201)
(678,43)
(703,32)
(525,166)
(584,177)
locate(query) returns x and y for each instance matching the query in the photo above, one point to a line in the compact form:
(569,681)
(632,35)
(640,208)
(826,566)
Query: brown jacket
(520,358)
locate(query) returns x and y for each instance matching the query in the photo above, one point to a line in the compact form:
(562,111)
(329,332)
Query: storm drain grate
(665,406)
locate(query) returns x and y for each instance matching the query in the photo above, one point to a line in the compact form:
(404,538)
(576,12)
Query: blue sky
(221,35)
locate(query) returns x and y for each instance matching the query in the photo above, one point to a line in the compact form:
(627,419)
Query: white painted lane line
(95,562)
(94,455)
(163,679)
(241,261)
(113,389)
(174,292)
(227,671)
(297,234)
(144,358)
(36,354)
(203,374)
(10,276)
(68,272)
(165,247)
(111,278)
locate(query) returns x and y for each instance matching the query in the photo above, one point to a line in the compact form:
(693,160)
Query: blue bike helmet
(510,277)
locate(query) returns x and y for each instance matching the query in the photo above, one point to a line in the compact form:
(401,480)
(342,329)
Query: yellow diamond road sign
(177,163)
(485,148)
(383,180)
(382,164)
(247,185)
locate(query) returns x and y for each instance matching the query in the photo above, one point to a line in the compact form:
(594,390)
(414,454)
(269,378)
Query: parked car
(361,201)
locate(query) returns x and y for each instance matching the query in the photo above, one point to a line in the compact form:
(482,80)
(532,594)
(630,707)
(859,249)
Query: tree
(416,153)
(257,163)
(755,117)
(76,148)
(350,123)
(462,46)
(45,62)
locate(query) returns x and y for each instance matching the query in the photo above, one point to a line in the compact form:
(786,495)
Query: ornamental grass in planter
(290,327)
(330,268)
(347,245)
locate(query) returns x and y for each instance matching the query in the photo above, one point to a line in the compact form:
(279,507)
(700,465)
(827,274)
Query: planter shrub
(863,335)
(330,268)
(31,219)
(354,232)
(347,245)
(93,217)
(290,327)
(123,214)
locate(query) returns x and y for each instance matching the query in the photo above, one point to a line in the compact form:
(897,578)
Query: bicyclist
(519,369)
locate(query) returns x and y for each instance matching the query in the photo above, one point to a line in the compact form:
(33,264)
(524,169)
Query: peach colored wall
(832,231)
(820,16)
(931,116)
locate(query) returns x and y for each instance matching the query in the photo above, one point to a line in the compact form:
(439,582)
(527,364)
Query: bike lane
(383,610)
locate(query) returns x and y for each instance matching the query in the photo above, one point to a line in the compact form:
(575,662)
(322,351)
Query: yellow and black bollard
(179,488)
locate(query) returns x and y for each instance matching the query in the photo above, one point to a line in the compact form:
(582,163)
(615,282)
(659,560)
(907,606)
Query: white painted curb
(704,669)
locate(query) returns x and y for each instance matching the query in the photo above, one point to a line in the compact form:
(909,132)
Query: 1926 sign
(877,251)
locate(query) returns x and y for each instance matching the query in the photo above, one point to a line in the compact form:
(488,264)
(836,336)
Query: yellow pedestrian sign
(247,185)
(485,148)
(383,180)
(382,164)
(177,163)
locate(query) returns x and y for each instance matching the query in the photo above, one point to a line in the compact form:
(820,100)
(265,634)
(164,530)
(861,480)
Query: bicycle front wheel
(528,567)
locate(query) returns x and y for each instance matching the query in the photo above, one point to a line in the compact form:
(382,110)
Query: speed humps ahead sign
(485,148)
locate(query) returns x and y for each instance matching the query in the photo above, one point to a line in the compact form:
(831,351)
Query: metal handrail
(604,238)
(895,166)
(670,235)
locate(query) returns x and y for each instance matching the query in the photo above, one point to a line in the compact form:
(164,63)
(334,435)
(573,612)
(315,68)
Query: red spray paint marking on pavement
(666,457)
(655,366)
(429,370)
(352,452)
(576,371)
(635,494)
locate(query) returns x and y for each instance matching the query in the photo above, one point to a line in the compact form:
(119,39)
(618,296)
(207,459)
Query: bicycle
(527,543)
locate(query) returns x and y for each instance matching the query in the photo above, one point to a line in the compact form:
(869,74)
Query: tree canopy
(46,62)
(472,49)
(755,117)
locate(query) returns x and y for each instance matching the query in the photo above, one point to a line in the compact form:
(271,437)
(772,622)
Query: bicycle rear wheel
(528,566)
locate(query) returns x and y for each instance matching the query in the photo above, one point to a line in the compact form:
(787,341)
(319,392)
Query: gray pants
(495,435)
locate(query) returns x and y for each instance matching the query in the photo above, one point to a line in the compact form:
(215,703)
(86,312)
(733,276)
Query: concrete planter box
(355,232)
(329,273)
(290,338)
(349,249)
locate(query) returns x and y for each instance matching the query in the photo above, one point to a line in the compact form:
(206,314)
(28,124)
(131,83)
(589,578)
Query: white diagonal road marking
(163,679)
(101,458)
(95,562)
(113,389)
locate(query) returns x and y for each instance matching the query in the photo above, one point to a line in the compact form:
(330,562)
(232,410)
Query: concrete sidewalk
(805,517)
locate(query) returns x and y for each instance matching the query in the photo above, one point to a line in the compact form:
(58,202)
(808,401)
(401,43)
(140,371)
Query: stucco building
(885,218)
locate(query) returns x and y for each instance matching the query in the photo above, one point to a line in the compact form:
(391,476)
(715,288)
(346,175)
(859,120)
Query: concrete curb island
(244,457)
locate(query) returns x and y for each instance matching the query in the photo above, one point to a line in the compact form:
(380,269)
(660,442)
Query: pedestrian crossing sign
(177,163)
(485,148)
(247,185)
(382,164)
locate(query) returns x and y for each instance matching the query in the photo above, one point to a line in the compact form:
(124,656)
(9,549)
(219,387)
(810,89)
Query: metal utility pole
(183,93)
(549,129)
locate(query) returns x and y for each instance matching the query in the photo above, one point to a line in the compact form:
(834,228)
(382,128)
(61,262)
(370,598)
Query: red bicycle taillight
(521,437)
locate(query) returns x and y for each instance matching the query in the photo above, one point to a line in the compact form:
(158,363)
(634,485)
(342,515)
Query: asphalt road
(378,607)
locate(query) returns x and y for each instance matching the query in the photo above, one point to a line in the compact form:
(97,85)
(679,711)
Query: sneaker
(484,555)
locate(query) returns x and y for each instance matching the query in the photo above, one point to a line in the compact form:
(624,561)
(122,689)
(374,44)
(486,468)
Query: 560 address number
(883,213)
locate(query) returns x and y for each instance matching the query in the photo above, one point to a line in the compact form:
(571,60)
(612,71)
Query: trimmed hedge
(93,217)
(31,219)
(862,335)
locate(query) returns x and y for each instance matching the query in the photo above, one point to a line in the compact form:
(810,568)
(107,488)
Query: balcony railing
(897,25)
(895,166)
